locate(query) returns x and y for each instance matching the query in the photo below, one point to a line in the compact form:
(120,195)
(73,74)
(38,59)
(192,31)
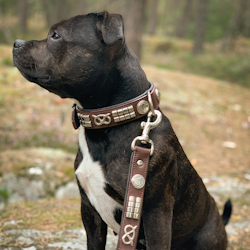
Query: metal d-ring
(151,103)
(143,140)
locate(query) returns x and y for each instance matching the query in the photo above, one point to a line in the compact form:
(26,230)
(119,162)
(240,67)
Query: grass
(48,138)
(7,61)
(53,215)
(4,194)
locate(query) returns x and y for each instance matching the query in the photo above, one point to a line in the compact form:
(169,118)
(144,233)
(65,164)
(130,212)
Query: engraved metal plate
(84,120)
(138,181)
(142,107)
(136,216)
(123,114)
(130,208)
(129,215)
(134,207)
(131,198)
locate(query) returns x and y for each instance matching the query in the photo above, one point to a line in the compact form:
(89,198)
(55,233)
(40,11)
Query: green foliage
(220,14)
(7,6)
(233,68)
(2,101)
(176,55)
(4,194)
(8,62)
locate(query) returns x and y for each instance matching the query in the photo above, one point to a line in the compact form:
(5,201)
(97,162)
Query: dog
(86,58)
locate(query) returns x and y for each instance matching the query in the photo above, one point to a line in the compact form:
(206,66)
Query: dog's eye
(55,36)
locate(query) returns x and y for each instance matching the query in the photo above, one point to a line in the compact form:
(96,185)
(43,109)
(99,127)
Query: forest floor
(37,146)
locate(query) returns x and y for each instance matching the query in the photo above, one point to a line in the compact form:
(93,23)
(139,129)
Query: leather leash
(130,225)
(137,176)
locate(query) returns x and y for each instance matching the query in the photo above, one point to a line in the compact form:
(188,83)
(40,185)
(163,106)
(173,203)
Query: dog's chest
(92,180)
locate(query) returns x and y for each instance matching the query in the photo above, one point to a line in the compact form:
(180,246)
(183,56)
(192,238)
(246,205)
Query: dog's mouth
(29,70)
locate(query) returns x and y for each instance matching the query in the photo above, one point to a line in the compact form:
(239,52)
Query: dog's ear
(112,28)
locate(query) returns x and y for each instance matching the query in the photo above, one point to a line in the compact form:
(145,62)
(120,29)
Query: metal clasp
(147,126)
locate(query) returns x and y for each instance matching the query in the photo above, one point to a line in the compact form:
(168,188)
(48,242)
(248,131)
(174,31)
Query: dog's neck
(124,81)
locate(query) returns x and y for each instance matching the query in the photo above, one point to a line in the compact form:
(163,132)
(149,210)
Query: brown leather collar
(117,114)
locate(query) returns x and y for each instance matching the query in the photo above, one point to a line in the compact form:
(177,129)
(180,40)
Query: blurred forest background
(197,52)
(207,37)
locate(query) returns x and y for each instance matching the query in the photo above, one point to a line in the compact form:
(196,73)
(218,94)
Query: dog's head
(76,53)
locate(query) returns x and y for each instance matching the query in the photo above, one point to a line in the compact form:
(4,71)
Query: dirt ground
(211,119)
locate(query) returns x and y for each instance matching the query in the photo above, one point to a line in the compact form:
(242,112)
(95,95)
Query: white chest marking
(91,178)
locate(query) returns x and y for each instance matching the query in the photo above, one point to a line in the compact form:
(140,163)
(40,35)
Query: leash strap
(130,225)
(137,176)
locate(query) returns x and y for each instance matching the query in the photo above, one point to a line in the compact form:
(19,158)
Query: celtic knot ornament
(102,119)
(127,238)
(138,181)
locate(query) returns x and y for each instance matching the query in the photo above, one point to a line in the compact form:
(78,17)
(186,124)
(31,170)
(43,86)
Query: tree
(47,12)
(4,27)
(170,15)
(23,15)
(201,23)
(182,23)
(239,24)
(55,11)
(153,17)
(134,24)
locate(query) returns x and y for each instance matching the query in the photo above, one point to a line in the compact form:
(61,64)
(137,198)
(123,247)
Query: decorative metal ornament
(102,119)
(138,181)
(134,207)
(85,120)
(126,113)
(142,107)
(140,163)
(127,238)
(158,94)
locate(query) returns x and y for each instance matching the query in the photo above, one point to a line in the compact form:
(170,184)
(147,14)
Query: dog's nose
(19,43)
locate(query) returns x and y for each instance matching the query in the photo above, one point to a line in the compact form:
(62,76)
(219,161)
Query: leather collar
(118,114)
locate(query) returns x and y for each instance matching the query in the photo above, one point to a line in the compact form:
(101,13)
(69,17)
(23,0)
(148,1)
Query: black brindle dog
(86,58)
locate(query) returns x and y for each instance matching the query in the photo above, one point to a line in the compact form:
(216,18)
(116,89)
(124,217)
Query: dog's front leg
(95,227)
(157,221)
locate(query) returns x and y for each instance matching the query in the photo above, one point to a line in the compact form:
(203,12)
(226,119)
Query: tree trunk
(170,15)
(61,10)
(5,28)
(237,24)
(246,31)
(201,23)
(55,11)
(23,15)
(134,24)
(153,17)
(46,6)
(182,24)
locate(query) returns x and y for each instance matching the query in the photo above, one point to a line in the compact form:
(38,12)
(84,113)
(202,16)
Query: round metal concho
(140,163)
(138,181)
(142,107)
(158,94)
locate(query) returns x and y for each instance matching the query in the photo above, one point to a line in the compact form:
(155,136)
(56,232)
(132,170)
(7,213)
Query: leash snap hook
(147,126)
